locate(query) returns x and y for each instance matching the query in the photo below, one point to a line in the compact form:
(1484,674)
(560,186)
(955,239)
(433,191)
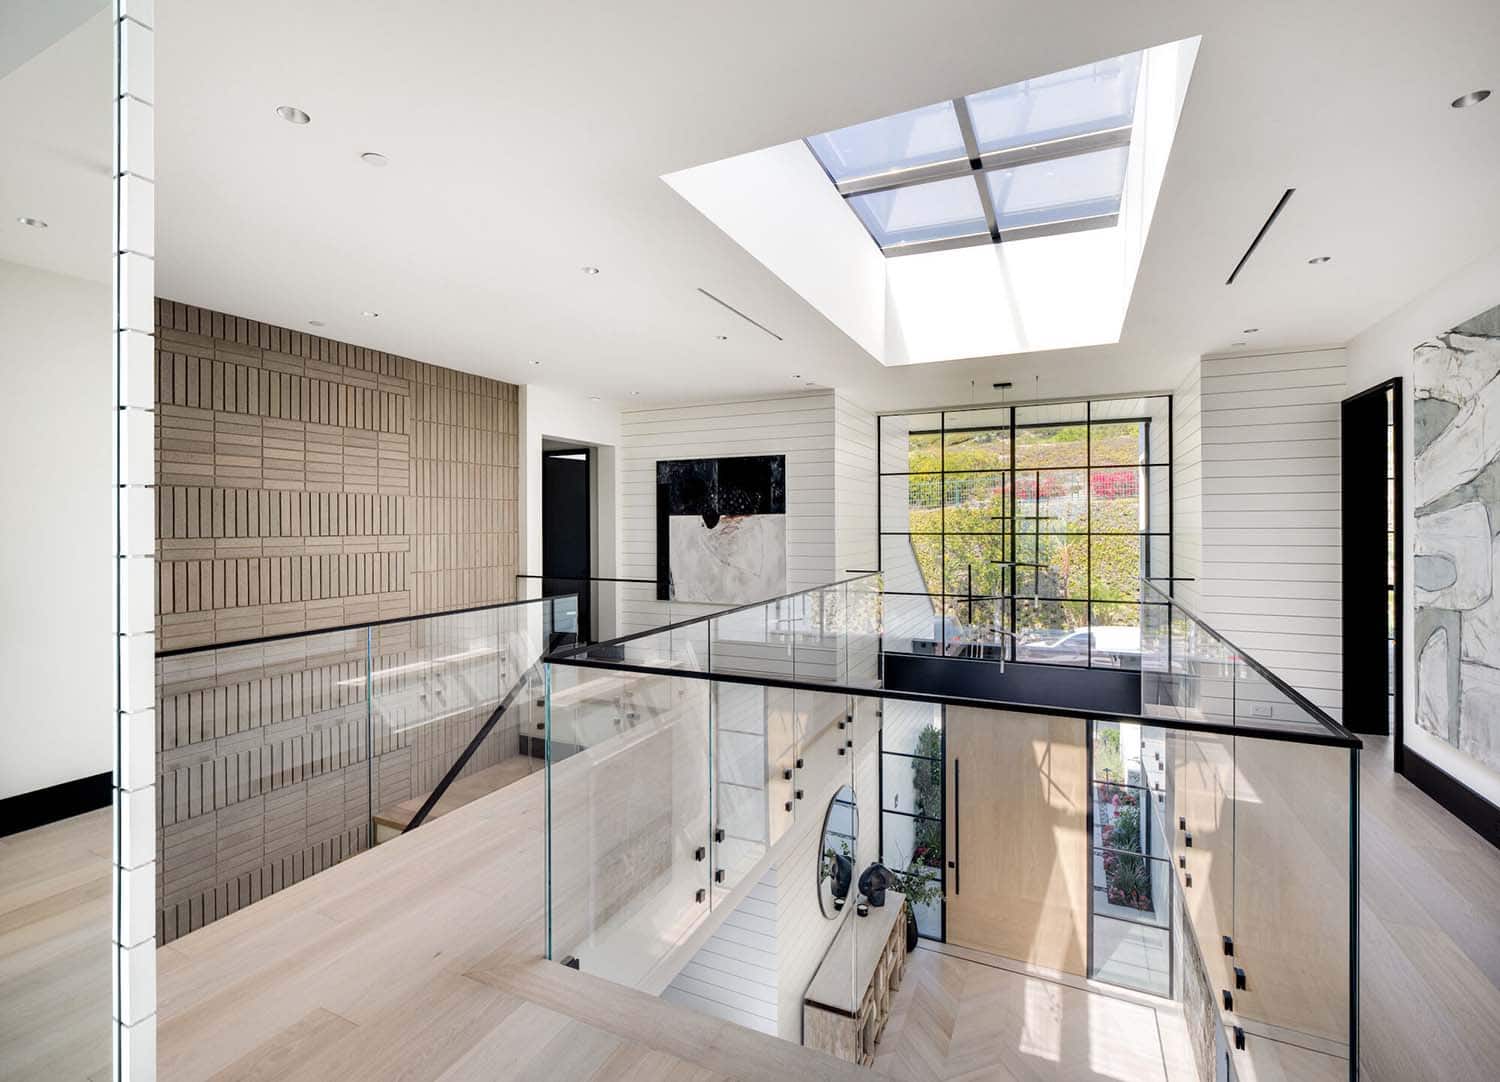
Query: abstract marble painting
(1456,553)
(721,529)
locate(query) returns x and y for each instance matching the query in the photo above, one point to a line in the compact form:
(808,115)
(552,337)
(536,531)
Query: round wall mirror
(838,853)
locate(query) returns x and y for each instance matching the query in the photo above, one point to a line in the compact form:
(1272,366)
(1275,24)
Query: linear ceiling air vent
(1280,203)
(736,311)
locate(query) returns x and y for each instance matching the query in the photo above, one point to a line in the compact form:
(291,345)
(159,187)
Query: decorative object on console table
(1456,468)
(847,1005)
(721,529)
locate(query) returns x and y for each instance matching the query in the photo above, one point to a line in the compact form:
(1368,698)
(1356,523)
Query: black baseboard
(42,806)
(1473,810)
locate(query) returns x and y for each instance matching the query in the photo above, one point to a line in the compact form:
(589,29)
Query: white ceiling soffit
(1020,296)
(527,141)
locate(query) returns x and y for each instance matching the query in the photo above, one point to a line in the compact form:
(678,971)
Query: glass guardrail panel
(862,645)
(435,682)
(629,814)
(748,643)
(1260,704)
(1203,780)
(1294,820)
(746,768)
(820,639)
(246,733)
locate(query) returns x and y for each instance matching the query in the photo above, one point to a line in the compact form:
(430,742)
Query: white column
(134,929)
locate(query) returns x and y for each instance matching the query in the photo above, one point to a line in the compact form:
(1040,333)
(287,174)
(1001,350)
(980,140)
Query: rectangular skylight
(1045,154)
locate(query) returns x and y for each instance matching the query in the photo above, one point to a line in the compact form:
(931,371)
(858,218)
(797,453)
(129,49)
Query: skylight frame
(977,164)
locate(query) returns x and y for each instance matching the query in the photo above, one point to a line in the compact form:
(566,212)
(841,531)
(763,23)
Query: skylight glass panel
(1058,190)
(919,137)
(939,210)
(1094,97)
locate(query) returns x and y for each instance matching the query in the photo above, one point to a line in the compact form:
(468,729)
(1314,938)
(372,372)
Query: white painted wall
(1270,514)
(57,650)
(1378,354)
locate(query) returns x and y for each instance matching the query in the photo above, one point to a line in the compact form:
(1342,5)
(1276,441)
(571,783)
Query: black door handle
(954,862)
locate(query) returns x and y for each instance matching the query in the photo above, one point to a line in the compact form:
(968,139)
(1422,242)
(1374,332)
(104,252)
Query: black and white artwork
(1456,551)
(721,529)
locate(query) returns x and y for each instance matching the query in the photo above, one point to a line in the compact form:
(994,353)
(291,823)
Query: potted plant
(919,887)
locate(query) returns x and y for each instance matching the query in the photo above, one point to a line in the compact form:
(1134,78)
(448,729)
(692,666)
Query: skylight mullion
(903,178)
(1053,149)
(971,148)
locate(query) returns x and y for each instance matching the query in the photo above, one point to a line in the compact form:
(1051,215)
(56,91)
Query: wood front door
(1017,824)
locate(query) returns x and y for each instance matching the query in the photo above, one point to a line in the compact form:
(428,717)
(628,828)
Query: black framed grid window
(1031,525)
(913,796)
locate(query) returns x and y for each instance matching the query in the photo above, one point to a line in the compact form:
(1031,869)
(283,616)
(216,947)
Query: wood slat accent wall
(304,483)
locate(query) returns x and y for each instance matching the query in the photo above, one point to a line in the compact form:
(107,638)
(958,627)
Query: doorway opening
(1370,518)
(568,529)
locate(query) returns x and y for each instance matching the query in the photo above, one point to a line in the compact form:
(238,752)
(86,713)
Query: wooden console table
(848,1003)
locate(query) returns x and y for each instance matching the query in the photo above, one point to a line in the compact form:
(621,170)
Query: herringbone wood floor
(959,1019)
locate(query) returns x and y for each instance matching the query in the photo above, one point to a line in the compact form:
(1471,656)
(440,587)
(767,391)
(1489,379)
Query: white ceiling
(526,141)
(55,136)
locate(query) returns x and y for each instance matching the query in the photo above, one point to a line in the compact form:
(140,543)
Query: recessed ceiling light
(536,364)
(379,161)
(589,270)
(1320,259)
(35,223)
(292,115)
(1239,343)
(371,315)
(1250,330)
(796,377)
(1473,97)
(635,394)
(315,323)
(593,398)
(722,337)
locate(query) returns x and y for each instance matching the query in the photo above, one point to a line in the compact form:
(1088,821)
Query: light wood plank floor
(1429,935)
(418,960)
(55,923)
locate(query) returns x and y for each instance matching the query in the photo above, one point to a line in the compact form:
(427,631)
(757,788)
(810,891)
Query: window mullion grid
(971,148)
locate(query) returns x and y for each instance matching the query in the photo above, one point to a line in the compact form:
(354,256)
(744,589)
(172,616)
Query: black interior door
(567,532)
(1370,517)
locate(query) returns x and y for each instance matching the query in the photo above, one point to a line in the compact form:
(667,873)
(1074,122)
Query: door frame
(585,589)
(1395,387)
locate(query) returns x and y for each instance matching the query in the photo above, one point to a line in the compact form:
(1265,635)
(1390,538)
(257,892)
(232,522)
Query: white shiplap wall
(1187,488)
(1270,512)
(802,427)
(854,477)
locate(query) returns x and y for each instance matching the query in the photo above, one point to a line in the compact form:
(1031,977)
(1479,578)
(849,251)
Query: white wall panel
(1268,497)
